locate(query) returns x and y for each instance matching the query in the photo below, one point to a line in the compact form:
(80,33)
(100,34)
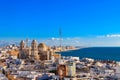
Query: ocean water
(97,53)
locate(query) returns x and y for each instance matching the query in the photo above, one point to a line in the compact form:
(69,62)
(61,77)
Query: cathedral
(35,51)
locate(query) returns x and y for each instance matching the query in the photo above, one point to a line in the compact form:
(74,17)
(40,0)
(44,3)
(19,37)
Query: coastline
(110,53)
(67,50)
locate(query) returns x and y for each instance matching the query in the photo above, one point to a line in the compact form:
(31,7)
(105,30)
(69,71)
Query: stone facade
(35,52)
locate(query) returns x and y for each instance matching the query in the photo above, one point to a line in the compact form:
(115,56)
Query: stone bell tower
(34,50)
(21,50)
(22,45)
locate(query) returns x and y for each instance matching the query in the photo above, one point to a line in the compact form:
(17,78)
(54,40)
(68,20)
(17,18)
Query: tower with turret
(34,50)
(22,45)
(22,51)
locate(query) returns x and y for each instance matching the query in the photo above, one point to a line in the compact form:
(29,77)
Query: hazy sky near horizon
(95,20)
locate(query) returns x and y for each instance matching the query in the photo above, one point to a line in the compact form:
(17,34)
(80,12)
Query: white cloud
(53,38)
(112,35)
(109,36)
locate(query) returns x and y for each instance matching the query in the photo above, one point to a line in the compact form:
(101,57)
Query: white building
(117,73)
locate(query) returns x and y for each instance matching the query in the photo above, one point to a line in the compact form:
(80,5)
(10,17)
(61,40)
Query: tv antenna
(60,33)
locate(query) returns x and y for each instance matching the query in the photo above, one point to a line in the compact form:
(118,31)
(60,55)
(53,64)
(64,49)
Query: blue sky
(86,19)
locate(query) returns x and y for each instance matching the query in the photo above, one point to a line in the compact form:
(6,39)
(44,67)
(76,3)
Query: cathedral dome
(42,45)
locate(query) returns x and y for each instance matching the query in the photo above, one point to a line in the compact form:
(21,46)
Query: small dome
(42,45)
(34,42)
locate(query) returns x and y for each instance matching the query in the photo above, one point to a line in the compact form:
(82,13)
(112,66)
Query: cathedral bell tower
(22,45)
(21,54)
(34,50)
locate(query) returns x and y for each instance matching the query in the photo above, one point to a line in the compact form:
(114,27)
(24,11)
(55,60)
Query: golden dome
(42,45)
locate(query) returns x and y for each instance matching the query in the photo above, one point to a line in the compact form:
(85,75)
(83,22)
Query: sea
(97,53)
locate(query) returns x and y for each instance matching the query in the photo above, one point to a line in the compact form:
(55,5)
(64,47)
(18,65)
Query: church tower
(22,45)
(22,54)
(34,50)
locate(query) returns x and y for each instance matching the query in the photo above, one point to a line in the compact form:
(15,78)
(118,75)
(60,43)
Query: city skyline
(84,23)
(59,39)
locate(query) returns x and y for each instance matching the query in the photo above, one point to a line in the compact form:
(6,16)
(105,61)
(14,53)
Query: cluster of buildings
(35,51)
(40,62)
